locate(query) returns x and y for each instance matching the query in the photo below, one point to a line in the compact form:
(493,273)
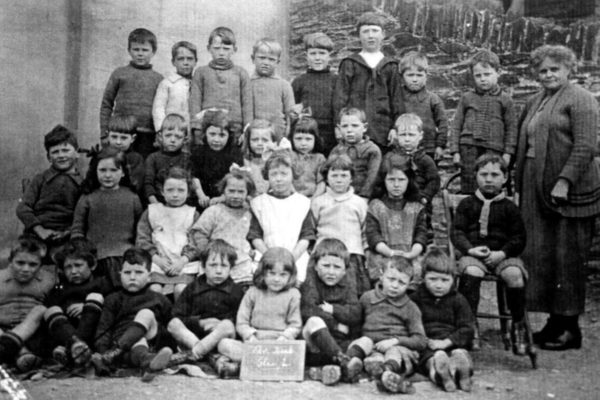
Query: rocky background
(449,32)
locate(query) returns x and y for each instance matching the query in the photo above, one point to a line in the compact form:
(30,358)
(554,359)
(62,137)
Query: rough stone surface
(449,32)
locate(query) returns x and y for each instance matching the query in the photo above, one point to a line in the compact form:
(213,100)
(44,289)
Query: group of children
(270,211)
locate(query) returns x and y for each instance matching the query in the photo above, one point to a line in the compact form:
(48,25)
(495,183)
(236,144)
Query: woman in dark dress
(558,181)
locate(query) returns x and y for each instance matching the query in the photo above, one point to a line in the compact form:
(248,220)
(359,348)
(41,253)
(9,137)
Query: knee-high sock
(469,287)
(61,328)
(515,299)
(10,345)
(134,332)
(90,315)
(325,342)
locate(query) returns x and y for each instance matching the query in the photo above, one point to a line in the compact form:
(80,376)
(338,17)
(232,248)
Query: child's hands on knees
(456,159)
(216,200)
(44,233)
(434,344)
(495,258)
(385,345)
(326,307)
(74,310)
(479,252)
(439,153)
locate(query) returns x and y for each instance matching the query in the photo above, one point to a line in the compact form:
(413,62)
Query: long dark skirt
(555,254)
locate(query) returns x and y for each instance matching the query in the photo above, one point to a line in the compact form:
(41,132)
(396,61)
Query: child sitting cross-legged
(163,232)
(270,310)
(449,324)
(392,330)
(330,310)
(205,312)
(24,287)
(490,234)
(75,306)
(133,318)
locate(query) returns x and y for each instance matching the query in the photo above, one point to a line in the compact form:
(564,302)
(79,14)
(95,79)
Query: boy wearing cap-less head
(130,90)
(46,208)
(369,80)
(222,84)
(173,92)
(272,95)
(121,135)
(315,88)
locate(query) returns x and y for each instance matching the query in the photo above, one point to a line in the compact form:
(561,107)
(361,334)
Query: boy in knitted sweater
(490,235)
(130,90)
(314,89)
(222,84)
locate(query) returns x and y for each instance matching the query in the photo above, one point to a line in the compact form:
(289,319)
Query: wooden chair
(451,198)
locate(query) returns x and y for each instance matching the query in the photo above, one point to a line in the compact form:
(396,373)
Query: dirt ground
(499,375)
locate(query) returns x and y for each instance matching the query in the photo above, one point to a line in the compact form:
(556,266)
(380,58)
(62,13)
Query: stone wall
(449,32)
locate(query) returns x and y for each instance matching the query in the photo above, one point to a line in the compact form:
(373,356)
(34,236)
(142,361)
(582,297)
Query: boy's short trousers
(469,261)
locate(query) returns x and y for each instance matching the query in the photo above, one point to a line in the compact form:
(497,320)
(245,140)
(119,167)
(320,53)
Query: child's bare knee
(145,317)
(365,343)
(95,297)
(174,325)
(52,311)
(227,328)
(474,271)
(513,277)
(313,324)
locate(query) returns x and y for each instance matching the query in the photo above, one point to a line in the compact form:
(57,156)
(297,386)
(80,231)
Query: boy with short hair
(449,324)
(172,138)
(315,88)
(121,135)
(222,84)
(365,155)
(330,310)
(24,287)
(130,90)
(133,318)
(490,235)
(173,92)
(272,95)
(369,81)
(75,306)
(427,105)
(47,206)
(206,310)
(392,330)
(485,120)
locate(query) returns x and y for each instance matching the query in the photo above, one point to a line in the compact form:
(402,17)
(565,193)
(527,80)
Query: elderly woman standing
(559,185)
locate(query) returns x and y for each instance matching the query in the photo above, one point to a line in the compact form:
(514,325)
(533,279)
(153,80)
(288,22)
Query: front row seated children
(489,234)
(121,135)
(365,155)
(229,221)
(24,287)
(397,223)
(172,138)
(339,213)
(108,212)
(260,140)
(392,330)
(75,306)
(205,312)
(163,232)
(306,144)
(217,152)
(270,310)
(133,318)
(47,206)
(282,217)
(330,310)
(449,324)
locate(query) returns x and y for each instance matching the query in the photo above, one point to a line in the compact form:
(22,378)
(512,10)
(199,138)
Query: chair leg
(503,313)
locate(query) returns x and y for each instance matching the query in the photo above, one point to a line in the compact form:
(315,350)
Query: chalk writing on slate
(273,360)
